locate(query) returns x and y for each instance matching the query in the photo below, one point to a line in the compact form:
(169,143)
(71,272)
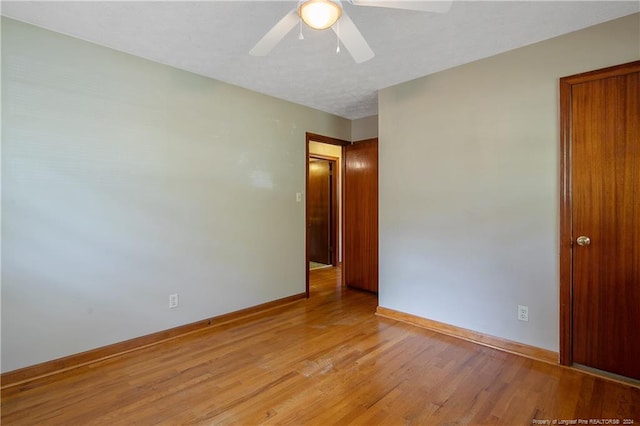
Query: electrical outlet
(173,300)
(523,313)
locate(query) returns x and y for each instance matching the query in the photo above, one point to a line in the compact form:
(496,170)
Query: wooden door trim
(566,225)
(334,205)
(314,137)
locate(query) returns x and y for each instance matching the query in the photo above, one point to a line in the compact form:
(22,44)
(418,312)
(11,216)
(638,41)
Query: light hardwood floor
(325,360)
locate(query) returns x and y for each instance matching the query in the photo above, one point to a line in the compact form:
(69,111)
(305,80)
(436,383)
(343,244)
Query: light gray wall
(124,180)
(364,128)
(469,186)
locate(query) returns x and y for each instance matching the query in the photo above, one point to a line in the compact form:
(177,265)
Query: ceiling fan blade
(352,39)
(275,34)
(438,6)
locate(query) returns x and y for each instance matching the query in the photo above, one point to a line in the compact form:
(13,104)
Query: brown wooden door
(360,244)
(605,207)
(319,199)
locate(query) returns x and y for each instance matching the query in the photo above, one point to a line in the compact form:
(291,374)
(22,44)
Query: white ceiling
(212,38)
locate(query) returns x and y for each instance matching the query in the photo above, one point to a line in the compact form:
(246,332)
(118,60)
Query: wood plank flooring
(322,361)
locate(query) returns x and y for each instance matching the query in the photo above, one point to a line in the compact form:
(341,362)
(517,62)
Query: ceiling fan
(323,14)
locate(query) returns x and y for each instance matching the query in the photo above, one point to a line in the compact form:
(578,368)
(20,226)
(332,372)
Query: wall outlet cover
(523,313)
(173,300)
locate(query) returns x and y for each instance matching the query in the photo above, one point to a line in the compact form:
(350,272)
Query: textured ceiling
(212,38)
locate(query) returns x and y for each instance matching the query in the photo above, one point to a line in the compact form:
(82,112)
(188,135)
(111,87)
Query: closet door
(605,218)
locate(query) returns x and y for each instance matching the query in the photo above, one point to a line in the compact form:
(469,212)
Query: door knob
(583,241)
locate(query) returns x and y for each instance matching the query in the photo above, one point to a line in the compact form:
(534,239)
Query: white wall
(332,151)
(469,185)
(124,180)
(364,128)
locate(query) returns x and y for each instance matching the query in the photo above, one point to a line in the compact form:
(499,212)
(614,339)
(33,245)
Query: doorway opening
(323,217)
(322,205)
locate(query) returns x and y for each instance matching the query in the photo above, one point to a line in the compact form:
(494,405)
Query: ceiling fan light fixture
(319,14)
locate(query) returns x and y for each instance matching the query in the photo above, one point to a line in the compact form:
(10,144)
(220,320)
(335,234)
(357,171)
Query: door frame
(314,137)
(333,228)
(566,225)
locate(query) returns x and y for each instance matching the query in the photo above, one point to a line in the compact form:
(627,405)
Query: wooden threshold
(501,344)
(601,374)
(48,368)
